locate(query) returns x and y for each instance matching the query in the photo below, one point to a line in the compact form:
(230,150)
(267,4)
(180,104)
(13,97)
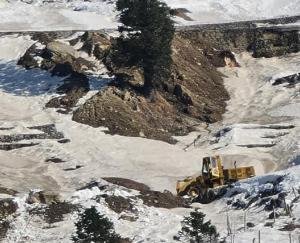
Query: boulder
(96,43)
(42,197)
(75,82)
(250,225)
(133,76)
(290,80)
(274,215)
(183,94)
(61,52)
(221,58)
(29,59)
(74,87)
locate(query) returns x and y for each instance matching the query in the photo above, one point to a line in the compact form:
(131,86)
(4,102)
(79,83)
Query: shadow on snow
(19,81)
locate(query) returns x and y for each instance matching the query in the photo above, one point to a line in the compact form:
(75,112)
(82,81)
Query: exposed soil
(4,227)
(120,204)
(10,141)
(12,146)
(4,190)
(130,184)
(74,87)
(55,212)
(7,207)
(162,200)
(150,198)
(194,94)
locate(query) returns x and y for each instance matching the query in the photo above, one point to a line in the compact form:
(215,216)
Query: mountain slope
(65,15)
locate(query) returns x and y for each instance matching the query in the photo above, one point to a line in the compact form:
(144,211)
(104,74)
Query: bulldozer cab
(212,167)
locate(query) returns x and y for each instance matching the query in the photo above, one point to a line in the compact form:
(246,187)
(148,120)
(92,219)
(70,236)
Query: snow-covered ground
(40,15)
(260,128)
(23,96)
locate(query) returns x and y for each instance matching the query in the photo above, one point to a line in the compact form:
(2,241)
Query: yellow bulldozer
(213,180)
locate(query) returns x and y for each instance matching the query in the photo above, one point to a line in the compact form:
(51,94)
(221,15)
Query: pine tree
(196,230)
(146,36)
(93,227)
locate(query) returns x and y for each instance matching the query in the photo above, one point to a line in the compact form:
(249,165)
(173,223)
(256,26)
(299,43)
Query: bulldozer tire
(193,192)
(211,196)
(207,197)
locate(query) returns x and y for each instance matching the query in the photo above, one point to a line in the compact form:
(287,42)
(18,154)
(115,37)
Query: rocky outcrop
(239,37)
(12,146)
(62,59)
(162,200)
(74,87)
(126,113)
(195,93)
(42,197)
(29,60)
(275,42)
(289,81)
(54,212)
(120,204)
(97,44)
(133,76)
(16,141)
(150,198)
(65,60)
(130,184)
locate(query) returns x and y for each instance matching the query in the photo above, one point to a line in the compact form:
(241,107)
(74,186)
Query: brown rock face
(42,197)
(133,76)
(194,94)
(202,94)
(126,113)
(97,44)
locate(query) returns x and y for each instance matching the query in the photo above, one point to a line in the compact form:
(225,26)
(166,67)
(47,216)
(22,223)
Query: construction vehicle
(213,180)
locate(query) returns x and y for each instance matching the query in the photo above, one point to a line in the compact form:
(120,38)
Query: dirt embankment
(194,94)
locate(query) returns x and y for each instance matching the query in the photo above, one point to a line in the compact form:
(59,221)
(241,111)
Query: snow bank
(216,11)
(66,15)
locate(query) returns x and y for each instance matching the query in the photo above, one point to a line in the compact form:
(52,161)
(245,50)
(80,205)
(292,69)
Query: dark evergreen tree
(93,227)
(146,37)
(196,230)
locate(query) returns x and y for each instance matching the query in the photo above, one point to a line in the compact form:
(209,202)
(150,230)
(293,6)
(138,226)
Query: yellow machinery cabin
(213,175)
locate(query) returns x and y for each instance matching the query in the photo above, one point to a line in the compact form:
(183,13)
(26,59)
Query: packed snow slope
(260,128)
(23,95)
(66,15)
